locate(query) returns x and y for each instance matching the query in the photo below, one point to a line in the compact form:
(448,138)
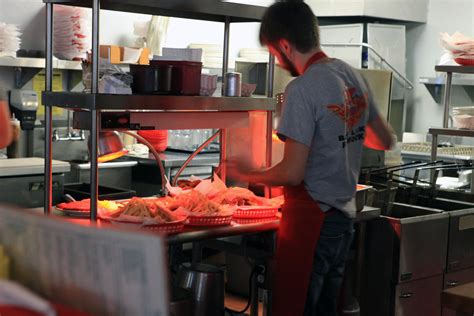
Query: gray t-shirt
(327,109)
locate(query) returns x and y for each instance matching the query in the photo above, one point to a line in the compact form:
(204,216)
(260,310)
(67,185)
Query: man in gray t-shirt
(328,116)
(327,109)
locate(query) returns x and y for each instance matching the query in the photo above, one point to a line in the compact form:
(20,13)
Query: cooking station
(413,239)
(422,243)
(254,240)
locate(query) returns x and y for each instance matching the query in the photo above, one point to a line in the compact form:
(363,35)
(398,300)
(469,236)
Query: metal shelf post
(447,98)
(94,135)
(435,132)
(225,68)
(48,113)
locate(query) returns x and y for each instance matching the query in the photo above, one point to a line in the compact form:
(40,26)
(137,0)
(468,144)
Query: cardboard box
(115,54)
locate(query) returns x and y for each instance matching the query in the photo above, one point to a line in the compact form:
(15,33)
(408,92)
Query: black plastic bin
(81,191)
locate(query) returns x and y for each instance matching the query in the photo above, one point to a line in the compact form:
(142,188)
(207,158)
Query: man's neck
(302,59)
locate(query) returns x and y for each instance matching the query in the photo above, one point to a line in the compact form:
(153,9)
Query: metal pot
(206,283)
(181,302)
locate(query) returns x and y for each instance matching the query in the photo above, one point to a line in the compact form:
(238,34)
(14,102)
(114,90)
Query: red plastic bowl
(157,138)
(465,61)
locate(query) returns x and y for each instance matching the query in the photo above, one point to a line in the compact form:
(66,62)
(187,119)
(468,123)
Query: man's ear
(285,46)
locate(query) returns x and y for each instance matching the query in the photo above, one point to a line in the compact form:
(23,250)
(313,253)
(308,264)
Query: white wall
(423,49)
(423,52)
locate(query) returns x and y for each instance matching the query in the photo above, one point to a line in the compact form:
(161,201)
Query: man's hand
(290,171)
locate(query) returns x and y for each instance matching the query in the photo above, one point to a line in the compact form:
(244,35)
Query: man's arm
(290,171)
(379,135)
(5,125)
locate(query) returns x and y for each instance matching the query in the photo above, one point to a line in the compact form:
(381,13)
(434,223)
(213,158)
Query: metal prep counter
(214,237)
(22,181)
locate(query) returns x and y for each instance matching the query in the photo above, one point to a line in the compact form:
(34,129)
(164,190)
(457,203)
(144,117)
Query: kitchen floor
(235,302)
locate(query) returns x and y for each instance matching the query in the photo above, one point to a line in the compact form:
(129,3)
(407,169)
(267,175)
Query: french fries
(135,207)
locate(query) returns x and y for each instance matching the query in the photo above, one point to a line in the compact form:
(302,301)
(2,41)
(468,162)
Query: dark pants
(328,266)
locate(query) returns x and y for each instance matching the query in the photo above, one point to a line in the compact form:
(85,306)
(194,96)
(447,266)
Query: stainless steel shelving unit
(435,132)
(210,10)
(117,102)
(28,62)
(93,107)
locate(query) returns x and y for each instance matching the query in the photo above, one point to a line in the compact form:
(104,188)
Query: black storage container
(153,79)
(186,75)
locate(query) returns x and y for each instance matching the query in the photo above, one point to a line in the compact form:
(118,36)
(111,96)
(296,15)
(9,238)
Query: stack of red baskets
(157,138)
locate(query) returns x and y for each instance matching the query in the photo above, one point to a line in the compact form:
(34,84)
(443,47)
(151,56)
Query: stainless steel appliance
(406,253)
(461,231)
(206,284)
(21,181)
(24,105)
(454,279)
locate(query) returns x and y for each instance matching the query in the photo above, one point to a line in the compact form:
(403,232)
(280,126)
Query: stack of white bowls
(464,117)
(257,55)
(9,40)
(212,55)
(71,32)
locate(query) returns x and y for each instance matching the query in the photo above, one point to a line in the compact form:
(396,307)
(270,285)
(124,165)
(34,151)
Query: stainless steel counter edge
(104,165)
(203,233)
(29,166)
(223,231)
(368,213)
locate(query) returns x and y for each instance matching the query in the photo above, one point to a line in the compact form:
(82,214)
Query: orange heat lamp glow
(112,156)
(275,137)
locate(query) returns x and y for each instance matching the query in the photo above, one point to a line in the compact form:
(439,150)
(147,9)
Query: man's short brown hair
(293,21)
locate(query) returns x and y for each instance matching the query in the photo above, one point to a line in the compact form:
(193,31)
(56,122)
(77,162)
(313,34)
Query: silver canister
(232,84)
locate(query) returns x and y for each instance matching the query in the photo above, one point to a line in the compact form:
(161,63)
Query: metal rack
(435,132)
(99,110)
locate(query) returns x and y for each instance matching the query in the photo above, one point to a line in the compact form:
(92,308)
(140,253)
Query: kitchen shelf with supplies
(435,132)
(209,10)
(25,68)
(110,102)
(120,112)
(435,85)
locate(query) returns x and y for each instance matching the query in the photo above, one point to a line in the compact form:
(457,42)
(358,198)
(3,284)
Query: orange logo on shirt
(352,109)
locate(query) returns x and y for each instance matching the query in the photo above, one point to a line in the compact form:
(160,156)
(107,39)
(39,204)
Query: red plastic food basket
(209,220)
(247,221)
(255,212)
(167,228)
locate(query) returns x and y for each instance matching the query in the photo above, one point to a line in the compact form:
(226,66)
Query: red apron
(298,236)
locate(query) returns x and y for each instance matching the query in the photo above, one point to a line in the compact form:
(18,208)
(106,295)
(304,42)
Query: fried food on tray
(195,203)
(188,184)
(155,209)
(136,207)
(239,196)
(163,214)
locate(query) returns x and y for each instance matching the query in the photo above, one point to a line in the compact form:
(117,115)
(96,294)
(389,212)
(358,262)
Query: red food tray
(209,220)
(167,228)
(255,212)
(246,221)
(465,61)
